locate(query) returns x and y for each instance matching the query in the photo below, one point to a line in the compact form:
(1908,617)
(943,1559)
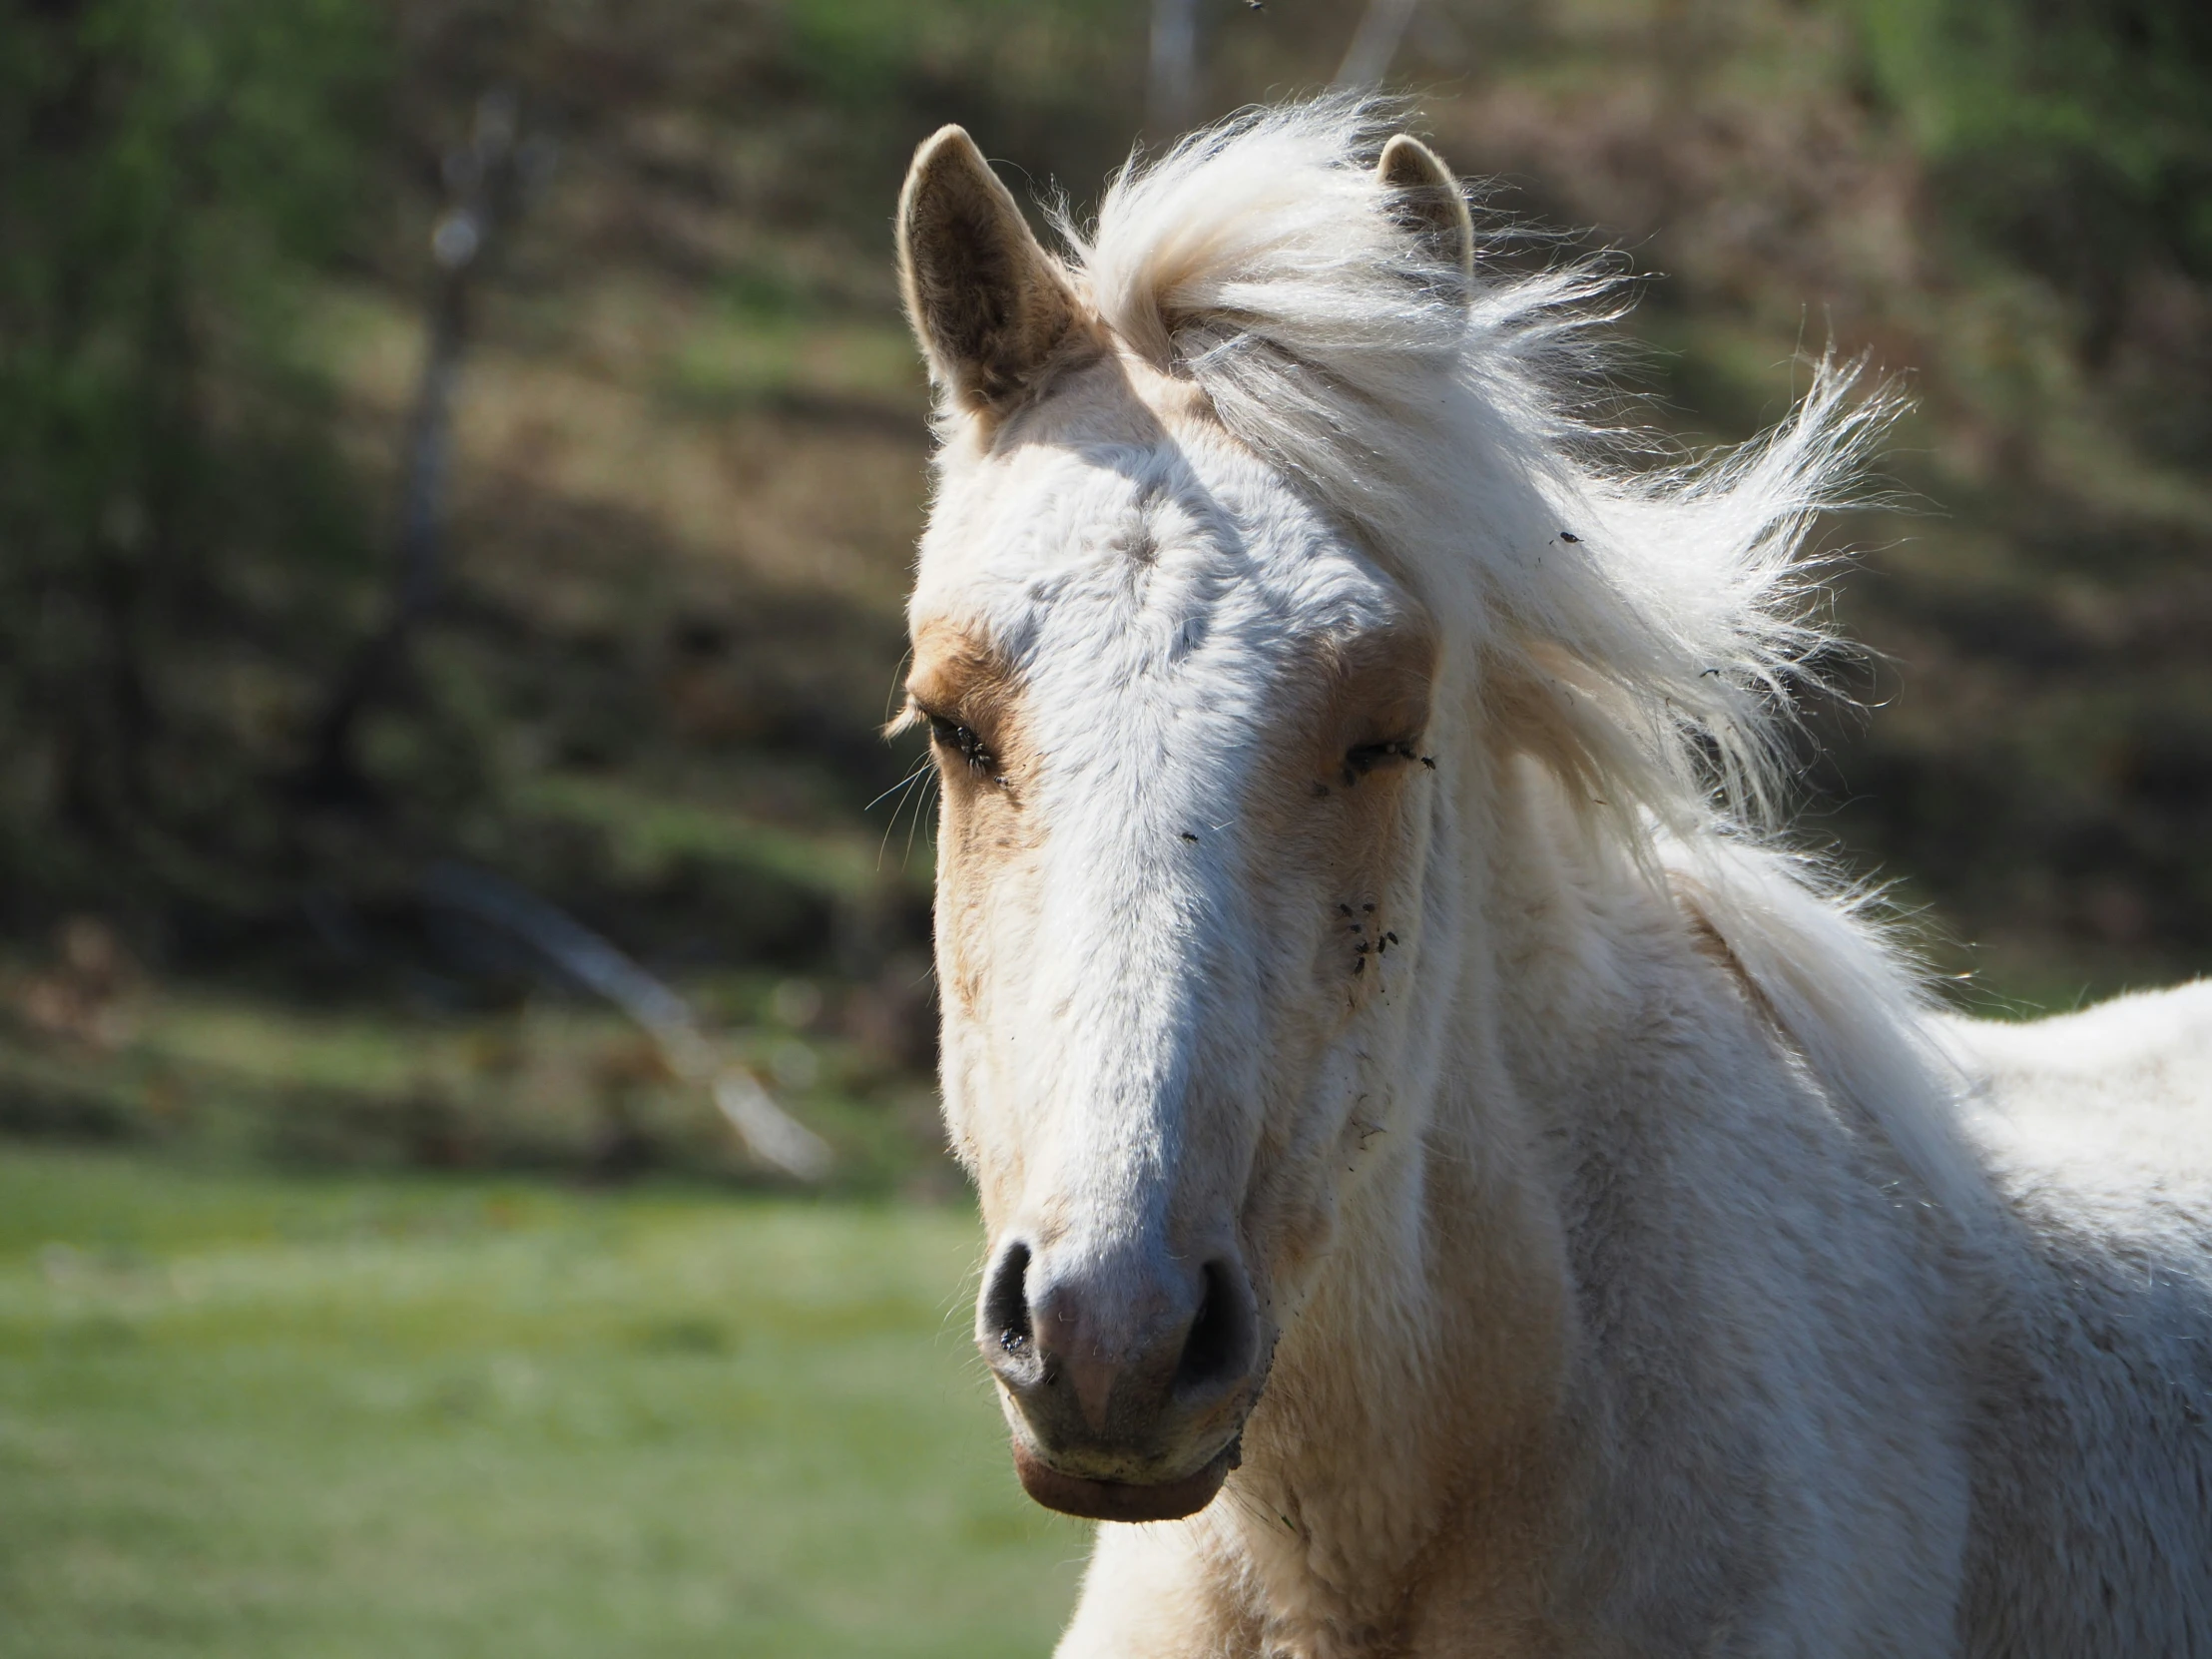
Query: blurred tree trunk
(486,177)
(1171,100)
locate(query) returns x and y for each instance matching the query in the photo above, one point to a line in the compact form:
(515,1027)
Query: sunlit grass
(246,1414)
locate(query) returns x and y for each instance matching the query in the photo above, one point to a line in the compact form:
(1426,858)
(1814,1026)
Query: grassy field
(250,1413)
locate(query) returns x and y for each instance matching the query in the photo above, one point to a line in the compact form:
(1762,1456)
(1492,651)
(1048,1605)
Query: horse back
(2092,1442)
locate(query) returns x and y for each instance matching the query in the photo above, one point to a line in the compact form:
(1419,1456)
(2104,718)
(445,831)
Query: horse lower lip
(1118,1501)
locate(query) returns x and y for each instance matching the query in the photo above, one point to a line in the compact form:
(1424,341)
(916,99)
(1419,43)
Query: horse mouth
(1123,1500)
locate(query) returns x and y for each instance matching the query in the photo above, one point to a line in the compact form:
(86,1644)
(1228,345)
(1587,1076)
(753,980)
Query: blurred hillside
(689,464)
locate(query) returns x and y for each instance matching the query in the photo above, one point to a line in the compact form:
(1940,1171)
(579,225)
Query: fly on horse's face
(1182,724)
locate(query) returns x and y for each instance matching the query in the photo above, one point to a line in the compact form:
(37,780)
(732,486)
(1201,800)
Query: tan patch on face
(1330,830)
(1380,683)
(960,677)
(1336,802)
(985,835)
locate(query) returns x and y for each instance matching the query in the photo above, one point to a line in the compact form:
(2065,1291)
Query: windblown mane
(1640,626)
(1262,259)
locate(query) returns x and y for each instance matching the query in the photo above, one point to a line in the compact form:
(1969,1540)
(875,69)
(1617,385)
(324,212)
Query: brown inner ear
(991,307)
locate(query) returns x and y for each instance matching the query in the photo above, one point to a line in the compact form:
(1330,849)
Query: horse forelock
(1261,263)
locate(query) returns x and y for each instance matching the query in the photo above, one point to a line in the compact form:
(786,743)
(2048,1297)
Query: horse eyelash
(1364,758)
(963,740)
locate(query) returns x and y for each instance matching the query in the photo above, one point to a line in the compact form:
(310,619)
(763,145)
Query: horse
(1457,1177)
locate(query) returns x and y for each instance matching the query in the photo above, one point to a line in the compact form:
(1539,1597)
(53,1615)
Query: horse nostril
(1218,1349)
(1005,1319)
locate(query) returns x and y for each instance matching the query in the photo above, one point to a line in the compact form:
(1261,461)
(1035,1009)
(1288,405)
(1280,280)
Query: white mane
(1649,658)
(1261,258)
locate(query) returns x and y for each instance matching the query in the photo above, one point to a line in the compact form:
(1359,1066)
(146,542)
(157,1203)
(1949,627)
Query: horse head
(1186,732)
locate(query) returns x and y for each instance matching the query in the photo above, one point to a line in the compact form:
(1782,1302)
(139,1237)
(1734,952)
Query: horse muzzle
(1126,1377)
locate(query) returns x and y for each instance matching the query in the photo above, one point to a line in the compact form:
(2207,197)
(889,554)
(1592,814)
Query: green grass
(247,1415)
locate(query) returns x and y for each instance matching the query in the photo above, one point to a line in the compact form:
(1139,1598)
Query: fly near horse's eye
(963,740)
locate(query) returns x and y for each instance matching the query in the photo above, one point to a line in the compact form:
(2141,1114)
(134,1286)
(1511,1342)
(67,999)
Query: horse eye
(963,740)
(1364,758)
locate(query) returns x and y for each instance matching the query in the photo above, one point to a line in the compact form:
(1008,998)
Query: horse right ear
(990,306)
(1427,200)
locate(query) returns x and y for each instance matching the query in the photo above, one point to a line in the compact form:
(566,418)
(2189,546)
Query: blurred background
(469,1176)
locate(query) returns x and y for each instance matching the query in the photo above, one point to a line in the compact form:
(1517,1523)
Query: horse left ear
(1427,199)
(990,306)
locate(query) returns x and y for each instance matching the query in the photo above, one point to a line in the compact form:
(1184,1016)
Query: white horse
(1442,1168)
